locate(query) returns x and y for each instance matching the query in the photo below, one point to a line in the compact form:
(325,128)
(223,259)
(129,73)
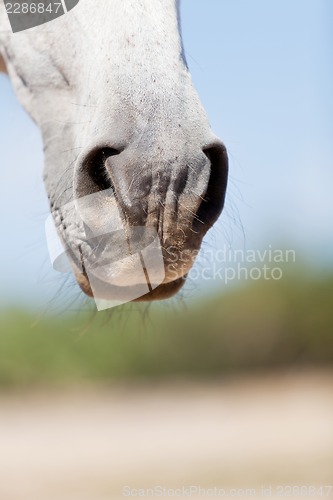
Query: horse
(131,162)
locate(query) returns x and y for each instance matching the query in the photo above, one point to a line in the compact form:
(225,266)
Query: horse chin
(125,281)
(108,292)
(163,291)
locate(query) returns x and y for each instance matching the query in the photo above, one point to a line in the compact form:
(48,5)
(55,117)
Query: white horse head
(109,87)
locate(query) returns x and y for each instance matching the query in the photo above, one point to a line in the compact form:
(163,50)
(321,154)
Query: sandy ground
(97,444)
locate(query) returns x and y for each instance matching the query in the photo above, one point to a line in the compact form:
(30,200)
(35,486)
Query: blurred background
(230,384)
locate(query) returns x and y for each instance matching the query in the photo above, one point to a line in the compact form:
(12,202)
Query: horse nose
(199,184)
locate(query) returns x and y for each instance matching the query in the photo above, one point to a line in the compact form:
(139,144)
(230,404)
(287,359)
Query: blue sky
(264,72)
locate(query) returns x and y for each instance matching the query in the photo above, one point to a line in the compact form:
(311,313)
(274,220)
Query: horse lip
(143,270)
(121,284)
(164,290)
(161,292)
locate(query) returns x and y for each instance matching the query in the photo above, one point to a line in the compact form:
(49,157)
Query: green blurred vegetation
(259,325)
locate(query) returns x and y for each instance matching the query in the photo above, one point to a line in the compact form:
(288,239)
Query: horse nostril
(94,175)
(96,169)
(213,200)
